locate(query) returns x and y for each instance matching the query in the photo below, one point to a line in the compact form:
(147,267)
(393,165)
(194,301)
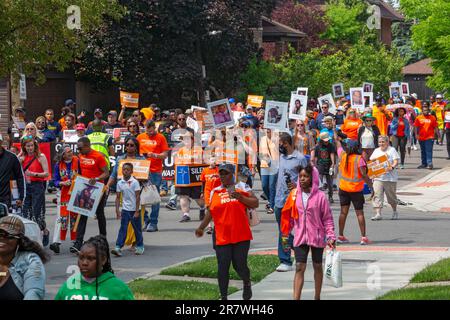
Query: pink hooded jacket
(313,225)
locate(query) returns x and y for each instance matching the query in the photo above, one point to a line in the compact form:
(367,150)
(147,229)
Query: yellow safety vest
(99,142)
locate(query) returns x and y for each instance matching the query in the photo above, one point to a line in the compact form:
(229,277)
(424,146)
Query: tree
(158,48)
(309,19)
(431,35)
(401,41)
(35,35)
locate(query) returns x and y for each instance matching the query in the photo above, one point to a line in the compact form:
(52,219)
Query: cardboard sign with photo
(368,87)
(220,113)
(297,107)
(328,98)
(302,91)
(405,89)
(85,198)
(395,91)
(338,90)
(368,99)
(276,115)
(357,99)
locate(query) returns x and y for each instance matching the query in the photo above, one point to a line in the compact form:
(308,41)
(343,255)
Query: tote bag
(333,269)
(150,195)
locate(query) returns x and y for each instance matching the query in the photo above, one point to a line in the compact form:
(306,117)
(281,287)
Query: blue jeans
(128,216)
(156,179)
(285,257)
(426,152)
(269,186)
(164,186)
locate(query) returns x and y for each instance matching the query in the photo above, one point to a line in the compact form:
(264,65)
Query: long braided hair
(100,243)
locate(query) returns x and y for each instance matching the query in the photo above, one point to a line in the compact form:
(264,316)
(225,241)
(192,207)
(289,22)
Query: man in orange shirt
(153,146)
(351,125)
(426,128)
(93,166)
(382,116)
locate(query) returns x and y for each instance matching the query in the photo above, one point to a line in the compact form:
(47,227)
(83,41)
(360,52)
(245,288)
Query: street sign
(23,87)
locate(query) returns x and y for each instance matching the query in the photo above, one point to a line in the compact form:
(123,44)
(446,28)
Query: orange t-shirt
(426,125)
(350,128)
(91,164)
(380,120)
(62,122)
(155,144)
(210,176)
(230,218)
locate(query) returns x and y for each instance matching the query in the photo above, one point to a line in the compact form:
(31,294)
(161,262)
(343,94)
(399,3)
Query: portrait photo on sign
(338,90)
(395,91)
(302,91)
(297,107)
(328,98)
(357,98)
(276,115)
(368,87)
(405,89)
(220,113)
(85,198)
(368,99)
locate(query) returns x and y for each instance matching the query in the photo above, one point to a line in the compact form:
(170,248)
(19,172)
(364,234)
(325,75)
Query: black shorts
(301,253)
(357,198)
(191,192)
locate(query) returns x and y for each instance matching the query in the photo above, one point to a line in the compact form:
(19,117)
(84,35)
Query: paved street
(175,242)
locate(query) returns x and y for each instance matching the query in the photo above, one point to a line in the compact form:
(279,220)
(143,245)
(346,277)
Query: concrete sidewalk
(368,272)
(430,194)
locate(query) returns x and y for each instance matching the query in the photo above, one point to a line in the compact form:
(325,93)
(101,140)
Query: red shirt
(92,163)
(230,218)
(401,128)
(154,144)
(426,125)
(35,166)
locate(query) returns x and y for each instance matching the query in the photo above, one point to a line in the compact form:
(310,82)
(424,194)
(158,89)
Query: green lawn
(175,290)
(260,267)
(439,271)
(424,293)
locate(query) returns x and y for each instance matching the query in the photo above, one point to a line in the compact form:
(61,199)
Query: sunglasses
(181,119)
(29,129)
(8,236)
(132,125)
(130,145)
(300,125)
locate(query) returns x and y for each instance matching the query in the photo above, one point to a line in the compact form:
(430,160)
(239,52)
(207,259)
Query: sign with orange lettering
(129,100)
(378,166)
(141,168)
(255,101)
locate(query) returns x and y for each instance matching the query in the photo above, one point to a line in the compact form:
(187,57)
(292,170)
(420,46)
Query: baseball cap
(69,102)
(98,110)
(414,95)
(80,126)
(231,100)
(439,96)
(227,167)
(324,136)
(112,112)
(188,111)
(340,108)
(328,118)
(248,107)
(12,225)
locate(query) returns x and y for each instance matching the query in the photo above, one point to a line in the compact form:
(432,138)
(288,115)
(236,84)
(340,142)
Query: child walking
(308,213)
(130,190)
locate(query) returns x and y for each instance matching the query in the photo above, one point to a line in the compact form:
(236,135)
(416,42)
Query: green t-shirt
(109,288)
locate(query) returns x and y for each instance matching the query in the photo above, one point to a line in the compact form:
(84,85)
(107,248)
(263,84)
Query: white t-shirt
(392,155)
(128,190)
(305,197)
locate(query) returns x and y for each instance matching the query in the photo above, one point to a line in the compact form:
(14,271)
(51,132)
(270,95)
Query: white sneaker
(394,215)
(376,217)
(117,252)
(284,268)
(414,147)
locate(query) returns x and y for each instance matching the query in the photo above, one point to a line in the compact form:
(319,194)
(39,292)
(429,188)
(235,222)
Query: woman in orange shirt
(228,209)
(351,125)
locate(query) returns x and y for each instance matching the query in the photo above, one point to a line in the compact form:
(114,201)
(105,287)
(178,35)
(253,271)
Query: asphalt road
(176,242)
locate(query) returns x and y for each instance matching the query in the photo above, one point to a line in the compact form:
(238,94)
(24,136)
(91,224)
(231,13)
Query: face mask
(283,150)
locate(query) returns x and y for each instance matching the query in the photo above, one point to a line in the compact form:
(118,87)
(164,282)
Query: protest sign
(141,168)
(129,100)
(328,98)
(168,172)
(119,134)
(220,113)
(19,122)
(201,115)
(188,175)
(70,136)
(85,198)
(297,107)
(302,91)
(395,91)
(378,166)
(276,115)
(367,87)
(357,99)
(368,99)
(191,123)
(405,89)
(255,101)
(338,90)
(447,116)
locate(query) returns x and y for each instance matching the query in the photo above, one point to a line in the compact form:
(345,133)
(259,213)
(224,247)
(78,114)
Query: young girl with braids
(96,280)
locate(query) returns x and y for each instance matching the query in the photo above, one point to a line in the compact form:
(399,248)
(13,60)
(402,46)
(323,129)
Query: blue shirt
(290,165)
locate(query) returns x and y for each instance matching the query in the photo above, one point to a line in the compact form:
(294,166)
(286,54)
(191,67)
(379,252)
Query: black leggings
(237,254)
(400,143)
